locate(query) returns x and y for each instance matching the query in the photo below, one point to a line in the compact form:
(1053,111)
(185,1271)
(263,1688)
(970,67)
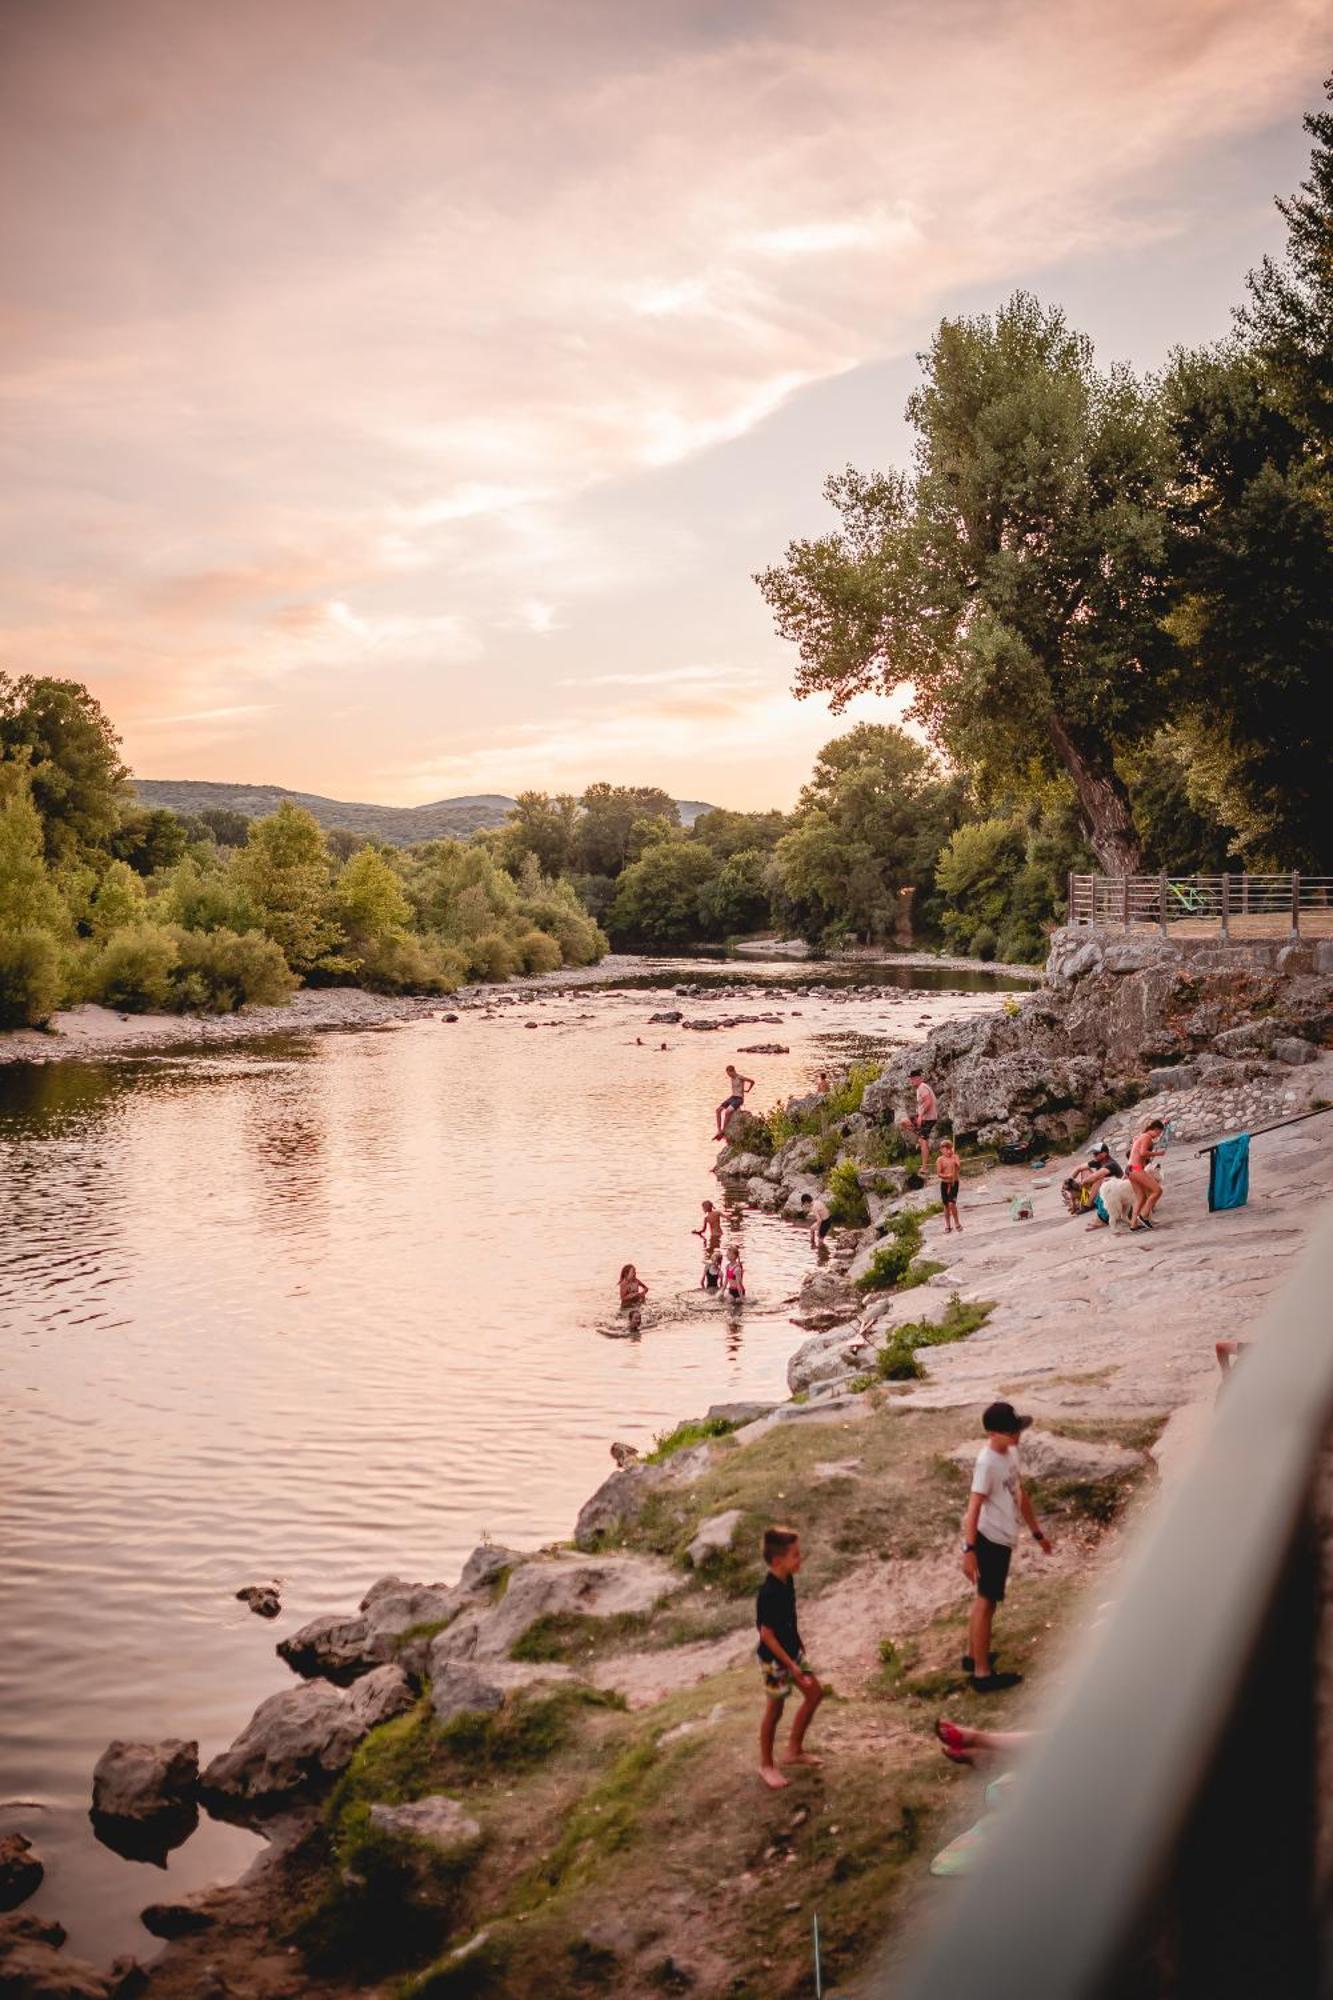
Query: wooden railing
(1253,906)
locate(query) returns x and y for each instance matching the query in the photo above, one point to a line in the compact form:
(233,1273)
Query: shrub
(698,1431)
(846,1198)
(32,978)
(218,971)
(892,1261)
(897,1361)
(400,962)
(491,955)
(537,952)
(133,969)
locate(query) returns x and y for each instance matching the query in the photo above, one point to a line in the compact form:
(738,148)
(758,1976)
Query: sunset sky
(398,394)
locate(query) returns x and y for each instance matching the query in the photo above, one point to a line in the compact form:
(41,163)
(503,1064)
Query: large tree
(1290,314)
(64,736)
(607,822)
(1012,580)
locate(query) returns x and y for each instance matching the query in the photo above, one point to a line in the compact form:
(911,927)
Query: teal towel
(1229,1173)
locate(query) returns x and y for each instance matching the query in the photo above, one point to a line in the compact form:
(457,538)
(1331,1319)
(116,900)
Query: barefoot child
(781,1657)
(733,1284)
(738,1088)
(816,1213)
(948,1167)
(711,1229)
(990,1531)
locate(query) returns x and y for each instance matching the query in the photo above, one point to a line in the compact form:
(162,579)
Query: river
(322,1308)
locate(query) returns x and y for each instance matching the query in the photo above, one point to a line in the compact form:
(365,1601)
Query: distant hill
(401,826)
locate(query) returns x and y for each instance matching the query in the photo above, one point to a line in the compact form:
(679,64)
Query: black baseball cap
(1004,1417)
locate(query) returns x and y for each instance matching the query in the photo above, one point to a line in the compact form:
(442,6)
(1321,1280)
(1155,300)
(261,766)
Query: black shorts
(732,1103)
(826,1223)
(993,1560)
(948,1192)
(923,1127)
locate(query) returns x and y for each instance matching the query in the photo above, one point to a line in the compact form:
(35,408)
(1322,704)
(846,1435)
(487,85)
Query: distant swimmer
(738,1089)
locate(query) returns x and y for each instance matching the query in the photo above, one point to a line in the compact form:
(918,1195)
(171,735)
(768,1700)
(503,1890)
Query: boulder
(458,1688)
(760,1193)
(21,1870)
(438,1822)
(738,1413)
(618,1501)
(1292,1049)
(486,1566)
(733,1166)
(802,1184)
(805,1107)
(714,1538)
(33,1967)
(1044,1455)
(144,1781)
(796,1156)
(341,1649)
(746,1133)
(1176,1076)
(334,1646)
(668,1018)
(592,1586)
(298,1740)
(176,1920)
(823,1356)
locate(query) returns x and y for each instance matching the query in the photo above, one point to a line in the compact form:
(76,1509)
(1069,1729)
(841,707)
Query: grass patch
(897,1361)
(893,1261)
(608,1817)
(572,1636)
(699,1430)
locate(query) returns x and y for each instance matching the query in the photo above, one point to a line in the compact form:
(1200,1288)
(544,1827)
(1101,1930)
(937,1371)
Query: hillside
(399,825)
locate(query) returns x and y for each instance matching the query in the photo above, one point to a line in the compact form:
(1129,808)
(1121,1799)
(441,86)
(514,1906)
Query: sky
(398,395)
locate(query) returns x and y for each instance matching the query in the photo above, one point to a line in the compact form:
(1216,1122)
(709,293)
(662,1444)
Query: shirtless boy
(738,1089)
(711,1231)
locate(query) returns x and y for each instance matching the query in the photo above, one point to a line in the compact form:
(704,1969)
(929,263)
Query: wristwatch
(969,1548)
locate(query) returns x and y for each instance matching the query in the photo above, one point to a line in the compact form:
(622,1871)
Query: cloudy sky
(398,394)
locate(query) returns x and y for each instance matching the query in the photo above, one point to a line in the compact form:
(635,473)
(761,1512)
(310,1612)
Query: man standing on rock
(921,1122)
(738,1089)
(990,1533)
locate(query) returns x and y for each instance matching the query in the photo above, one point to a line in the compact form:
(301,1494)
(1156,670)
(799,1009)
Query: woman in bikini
(633,1291)
(1143,1176)
(733,1283)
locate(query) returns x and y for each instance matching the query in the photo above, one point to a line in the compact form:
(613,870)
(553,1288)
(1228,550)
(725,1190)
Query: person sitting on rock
(1080,1191)
(738,1089)
(921,1122)
(633,1291)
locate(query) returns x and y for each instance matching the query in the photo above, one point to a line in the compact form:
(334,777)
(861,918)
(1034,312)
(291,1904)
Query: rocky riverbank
(538,1779)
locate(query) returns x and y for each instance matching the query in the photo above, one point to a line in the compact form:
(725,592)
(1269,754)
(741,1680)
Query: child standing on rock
(990,1534)
(781,1656)
(949,1168)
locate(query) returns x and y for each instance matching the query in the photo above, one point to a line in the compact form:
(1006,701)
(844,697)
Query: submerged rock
(262,1598)
(175,1920)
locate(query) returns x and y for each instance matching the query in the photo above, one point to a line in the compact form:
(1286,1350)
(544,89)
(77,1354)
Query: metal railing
(1165,1837)
(1205,905)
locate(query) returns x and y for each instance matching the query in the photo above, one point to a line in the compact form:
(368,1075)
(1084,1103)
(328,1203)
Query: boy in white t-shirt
(990,1533)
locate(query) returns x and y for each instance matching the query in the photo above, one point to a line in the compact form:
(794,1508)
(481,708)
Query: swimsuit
(948,1192)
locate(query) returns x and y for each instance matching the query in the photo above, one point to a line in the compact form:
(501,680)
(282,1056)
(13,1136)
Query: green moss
(574,1635)
(697,1431)
(428,1629)
(391,1900)
(897,1361)
(607,1819)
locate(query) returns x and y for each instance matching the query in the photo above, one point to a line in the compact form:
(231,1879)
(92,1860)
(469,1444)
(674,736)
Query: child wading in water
(948,1167)
(633,1291)
(781,1657)
(711,1280)
(733,1284)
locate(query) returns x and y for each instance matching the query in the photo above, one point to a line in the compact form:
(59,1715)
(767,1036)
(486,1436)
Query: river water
(319,1309)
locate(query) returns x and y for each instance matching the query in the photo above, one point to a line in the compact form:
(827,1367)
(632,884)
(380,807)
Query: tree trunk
(1103,800)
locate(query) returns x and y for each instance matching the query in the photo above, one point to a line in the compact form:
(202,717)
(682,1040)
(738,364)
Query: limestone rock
(1044,1455)
(715,1537)
(822,1356)
(21,1870)
(299,1739)
(618,1501)
(1177,1076)
(141,1781)
(761,1193)
(32,1966)
(175,1920)
(458,1688)
(801,1184)
(746,1133)
(331,1645)
(437,1821)
(594,1586)
(797,1156)
(738,1413)
(1292,1049)
(735,1166)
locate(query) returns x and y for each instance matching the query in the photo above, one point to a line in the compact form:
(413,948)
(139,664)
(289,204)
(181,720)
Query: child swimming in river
(712,1277)
(633,1291)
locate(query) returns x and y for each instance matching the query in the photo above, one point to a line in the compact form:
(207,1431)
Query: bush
(898,1362)
(32,978)
(537,952)
(846,1198)
(219,971)
(891,1262)
(491,955)
(400,962)
(132,970)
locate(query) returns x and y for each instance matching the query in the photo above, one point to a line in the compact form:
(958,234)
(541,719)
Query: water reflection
(322,1310)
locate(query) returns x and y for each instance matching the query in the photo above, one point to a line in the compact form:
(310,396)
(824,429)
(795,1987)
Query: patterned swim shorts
(777,1680)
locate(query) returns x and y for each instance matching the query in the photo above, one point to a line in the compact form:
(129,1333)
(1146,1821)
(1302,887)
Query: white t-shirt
(996,1479)
(925,1101)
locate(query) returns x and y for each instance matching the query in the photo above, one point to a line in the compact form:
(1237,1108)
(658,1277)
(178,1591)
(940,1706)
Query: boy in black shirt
(781,1656)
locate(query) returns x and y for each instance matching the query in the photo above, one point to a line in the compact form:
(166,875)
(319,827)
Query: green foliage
(891,1262)
(846,1198)
(897,1360)
(32,977)
(284,867)
(573,1635)
(369,901)
(729,834)
(29,897)
(737,899)
(63,737)
(845,1097)
(132,971)
(119,900)
(658,899)
(220,970)
(206,896)
(697,1431)
(609,814)
(149,838)
(543,828)
(1010,578)
(864,836)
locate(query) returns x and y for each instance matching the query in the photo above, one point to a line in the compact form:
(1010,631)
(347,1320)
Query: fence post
(1124,902)
(1070,917)
(1226,906)
(1092,898)
(1161,902)
(1295,903)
